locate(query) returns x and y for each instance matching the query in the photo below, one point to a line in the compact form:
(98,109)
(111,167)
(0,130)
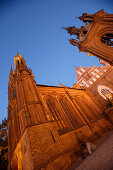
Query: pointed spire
(19,54)
(11,70)
(86,17)
(61,84)
(11,73)
(72,30)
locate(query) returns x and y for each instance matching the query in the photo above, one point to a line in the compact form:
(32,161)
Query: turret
(96,37)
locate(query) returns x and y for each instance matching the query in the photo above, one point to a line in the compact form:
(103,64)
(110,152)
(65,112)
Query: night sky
(34,29)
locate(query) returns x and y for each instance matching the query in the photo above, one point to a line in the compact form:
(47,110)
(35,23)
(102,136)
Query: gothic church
(44,122)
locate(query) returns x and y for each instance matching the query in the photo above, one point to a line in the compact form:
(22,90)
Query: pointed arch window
(70,112)
(84,107)
(105,92)
(55,112)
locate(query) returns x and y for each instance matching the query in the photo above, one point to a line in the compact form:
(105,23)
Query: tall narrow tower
(31,136)
(96,37)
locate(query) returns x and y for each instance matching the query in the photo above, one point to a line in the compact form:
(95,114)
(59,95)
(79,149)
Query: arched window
(105,92)
(107,39)
(70,112)
(84,106)
(94,108)
(55,112)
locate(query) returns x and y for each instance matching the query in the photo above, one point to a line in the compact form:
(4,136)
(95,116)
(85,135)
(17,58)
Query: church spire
(19,61)
(11,70)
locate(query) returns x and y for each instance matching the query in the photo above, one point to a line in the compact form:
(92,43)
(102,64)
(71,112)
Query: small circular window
(107,39)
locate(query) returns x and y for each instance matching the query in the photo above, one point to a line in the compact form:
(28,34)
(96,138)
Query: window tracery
(105,92)
(70,112)
(83,105)
(55,111)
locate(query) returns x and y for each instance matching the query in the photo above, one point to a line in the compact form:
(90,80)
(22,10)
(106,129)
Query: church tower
(96,37)
(32,139)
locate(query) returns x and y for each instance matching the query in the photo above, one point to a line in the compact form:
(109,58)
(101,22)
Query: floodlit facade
(45,123)
(96,37)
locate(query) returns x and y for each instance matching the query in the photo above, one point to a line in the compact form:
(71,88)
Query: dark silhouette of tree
(3,145)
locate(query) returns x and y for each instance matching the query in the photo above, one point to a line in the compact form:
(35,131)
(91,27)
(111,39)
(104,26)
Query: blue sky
(34,29)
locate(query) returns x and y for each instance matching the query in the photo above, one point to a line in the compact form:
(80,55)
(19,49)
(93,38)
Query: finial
(11,71)
(17,53)
(61,84)
(11,67)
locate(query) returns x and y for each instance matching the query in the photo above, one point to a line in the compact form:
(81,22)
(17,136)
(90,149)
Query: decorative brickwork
(98,80)
(44,121)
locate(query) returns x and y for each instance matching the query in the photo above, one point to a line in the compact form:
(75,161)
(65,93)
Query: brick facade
(44,121)
(93,77)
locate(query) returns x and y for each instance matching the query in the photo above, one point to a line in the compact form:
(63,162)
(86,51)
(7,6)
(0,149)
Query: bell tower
(96,37)
(19,61)
(32,141)
(24,93)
